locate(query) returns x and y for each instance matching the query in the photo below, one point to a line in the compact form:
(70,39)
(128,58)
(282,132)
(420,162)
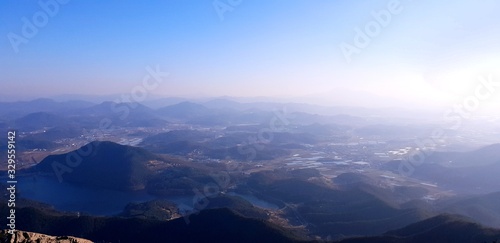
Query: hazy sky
(423,51)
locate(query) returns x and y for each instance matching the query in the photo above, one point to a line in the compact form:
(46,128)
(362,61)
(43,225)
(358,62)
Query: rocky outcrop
(29,237)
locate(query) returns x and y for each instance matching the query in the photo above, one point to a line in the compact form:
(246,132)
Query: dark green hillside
(238,205)
(329,211)
(164,210)
(178,142)
(442,228)
(107,165)
(447,228)
(351,178)
(182,142)
(155,209)
(392,195)
(178,181)
(214,225)
(483,208)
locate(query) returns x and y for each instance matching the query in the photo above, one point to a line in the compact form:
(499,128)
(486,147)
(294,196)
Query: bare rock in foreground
(29,237)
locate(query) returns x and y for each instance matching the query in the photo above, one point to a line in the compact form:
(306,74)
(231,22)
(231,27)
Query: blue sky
(430,51)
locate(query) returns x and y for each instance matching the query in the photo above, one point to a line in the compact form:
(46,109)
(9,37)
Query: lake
(98,201)
(69,197)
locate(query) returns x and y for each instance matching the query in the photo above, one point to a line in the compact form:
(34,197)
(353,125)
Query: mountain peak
(103,164)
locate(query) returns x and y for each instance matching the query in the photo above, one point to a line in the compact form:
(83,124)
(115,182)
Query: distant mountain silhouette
(184,110)
(222,103)
(22,108)
(483,156)
(119,114)
(39,120)
(193,113)
(112,109)
(471,172)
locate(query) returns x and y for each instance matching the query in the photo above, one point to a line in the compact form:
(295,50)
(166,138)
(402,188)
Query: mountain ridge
(104,164)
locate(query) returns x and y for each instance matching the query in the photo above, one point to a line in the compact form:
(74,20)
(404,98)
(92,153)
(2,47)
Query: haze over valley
(249,121)
(315,172)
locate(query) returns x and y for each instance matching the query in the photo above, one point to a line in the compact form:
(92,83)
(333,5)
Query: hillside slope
(103,164)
